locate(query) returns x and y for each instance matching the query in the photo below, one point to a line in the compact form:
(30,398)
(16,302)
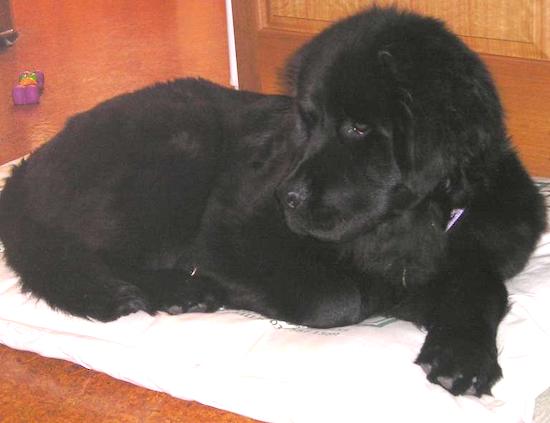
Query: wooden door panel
(511,35)
(513,28)
(524,86)
(507,27)
(311,16)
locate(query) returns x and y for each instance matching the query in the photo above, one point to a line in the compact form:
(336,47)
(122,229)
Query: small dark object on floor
(8,38)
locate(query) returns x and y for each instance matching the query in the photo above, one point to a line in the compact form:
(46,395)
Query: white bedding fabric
(276,372)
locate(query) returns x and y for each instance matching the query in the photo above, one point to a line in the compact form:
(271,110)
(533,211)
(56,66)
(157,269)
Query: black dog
(319,209)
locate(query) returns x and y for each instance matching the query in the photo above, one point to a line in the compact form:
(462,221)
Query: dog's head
(389,107)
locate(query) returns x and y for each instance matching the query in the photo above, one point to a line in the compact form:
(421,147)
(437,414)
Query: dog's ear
(400,111)
(292,71)
(388,63)
(307,66)
(417,173)
(302,64)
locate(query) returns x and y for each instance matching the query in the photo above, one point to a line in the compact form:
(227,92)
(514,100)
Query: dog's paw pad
(460,365)
(174,309)
(426,367)
(129,299)
(198,308)
(446,381)
(118,299)
(190,307)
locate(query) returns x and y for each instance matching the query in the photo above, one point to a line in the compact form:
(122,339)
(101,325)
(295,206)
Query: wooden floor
(34,389)
(91,50)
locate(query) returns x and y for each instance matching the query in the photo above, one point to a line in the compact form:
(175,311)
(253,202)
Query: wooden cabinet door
(513,37)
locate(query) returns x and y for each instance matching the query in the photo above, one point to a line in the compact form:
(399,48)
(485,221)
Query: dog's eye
(355,130)
(360,128)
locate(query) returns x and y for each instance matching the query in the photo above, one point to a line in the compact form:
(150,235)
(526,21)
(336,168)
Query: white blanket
(277,372)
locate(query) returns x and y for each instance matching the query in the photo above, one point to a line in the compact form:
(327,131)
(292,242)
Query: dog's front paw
(462,364)
(115,299)
(190,297)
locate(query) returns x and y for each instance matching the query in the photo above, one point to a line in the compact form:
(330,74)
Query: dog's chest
(401,254)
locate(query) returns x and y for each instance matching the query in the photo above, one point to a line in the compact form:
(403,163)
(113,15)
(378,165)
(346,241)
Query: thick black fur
(321,209)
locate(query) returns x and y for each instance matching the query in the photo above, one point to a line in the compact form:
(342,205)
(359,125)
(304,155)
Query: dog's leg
(489,244)
(313,298)
(67,275)
(325,303)
(460,351)
(176,291)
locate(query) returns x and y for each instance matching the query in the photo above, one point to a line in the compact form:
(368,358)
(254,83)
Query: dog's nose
(294,199)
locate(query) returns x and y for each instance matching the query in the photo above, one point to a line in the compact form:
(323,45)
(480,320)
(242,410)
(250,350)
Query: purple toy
(28,88)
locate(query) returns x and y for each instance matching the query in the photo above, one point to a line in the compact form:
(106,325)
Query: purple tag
(455,215)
